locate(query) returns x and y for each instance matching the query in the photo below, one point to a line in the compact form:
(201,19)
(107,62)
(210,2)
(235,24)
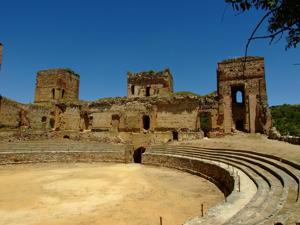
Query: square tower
(55,85)
(149,83)
(243,103)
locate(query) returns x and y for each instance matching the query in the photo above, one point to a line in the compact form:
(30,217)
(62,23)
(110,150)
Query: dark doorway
(137,155)
(86,121)
(53,93)
(132,89)
(63,93)
(44,119)
(239,125)
(146,122)
(205,122)
(148,91)
(238,106)
(115,121)
(175,135)
(52,123)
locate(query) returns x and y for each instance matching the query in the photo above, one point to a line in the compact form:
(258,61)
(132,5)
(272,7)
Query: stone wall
(149,83)
(16,115)
(9,113)
(56,85)
(274,134)
(45,157)
(217,175)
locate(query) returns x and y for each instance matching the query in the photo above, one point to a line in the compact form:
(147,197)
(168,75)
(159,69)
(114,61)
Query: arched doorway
(137,155)
(175,135)
(146,122)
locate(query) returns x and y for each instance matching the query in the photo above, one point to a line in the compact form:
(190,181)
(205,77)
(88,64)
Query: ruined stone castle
(151,113)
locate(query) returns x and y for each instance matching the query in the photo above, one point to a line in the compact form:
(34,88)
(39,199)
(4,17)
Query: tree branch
(253,33)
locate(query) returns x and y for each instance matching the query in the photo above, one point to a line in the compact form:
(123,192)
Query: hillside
(286,119)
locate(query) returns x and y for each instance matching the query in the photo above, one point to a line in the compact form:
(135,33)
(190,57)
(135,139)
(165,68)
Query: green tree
(282,17)
(286,118)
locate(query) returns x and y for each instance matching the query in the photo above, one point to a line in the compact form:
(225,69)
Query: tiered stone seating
(277,182)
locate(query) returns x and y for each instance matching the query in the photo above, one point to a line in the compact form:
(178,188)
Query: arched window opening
(66,137)
(238,94)
(175,135)
(148,91)
(239,97)
(146,122)
(132,89)
(63,93)
(44,119)
(137,155)
(53,93)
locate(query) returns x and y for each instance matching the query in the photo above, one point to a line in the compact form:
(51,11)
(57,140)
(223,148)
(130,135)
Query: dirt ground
(252,142)
(106,194)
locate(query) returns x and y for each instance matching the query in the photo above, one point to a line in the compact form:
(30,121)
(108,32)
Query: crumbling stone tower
(1,49)
(150,83)
(55,85)
(242,95)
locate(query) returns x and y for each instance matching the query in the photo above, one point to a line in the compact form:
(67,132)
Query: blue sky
(104,39)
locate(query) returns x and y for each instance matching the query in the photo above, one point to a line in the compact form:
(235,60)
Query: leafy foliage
(283,17)
(286,119)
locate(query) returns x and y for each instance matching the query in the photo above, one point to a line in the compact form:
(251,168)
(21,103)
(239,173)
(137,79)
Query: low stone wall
(275,135)
(219,176)
(44,157)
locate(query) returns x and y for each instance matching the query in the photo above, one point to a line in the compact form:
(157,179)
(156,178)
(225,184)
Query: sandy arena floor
(106,194)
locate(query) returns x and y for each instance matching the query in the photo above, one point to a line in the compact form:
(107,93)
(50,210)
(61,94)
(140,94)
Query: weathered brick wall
(9,113)
(56,84)
(157,83)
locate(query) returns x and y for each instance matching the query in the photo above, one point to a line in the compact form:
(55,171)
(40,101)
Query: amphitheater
(147,158)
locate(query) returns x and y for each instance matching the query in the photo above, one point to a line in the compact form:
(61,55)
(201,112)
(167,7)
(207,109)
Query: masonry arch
(115,121)
(137,155)
(238,107)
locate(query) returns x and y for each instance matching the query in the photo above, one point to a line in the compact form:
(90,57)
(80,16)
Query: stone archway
(137,155)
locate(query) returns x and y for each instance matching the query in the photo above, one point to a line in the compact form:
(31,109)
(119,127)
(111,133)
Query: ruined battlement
(150,83)
(56,84)
(238,68)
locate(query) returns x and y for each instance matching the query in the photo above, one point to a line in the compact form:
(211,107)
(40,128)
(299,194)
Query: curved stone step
(278,174)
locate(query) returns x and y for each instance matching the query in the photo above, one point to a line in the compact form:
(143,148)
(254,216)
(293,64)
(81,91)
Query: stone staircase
(276,181)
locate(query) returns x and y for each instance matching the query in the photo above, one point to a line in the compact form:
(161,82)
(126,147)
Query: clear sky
(104,39)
